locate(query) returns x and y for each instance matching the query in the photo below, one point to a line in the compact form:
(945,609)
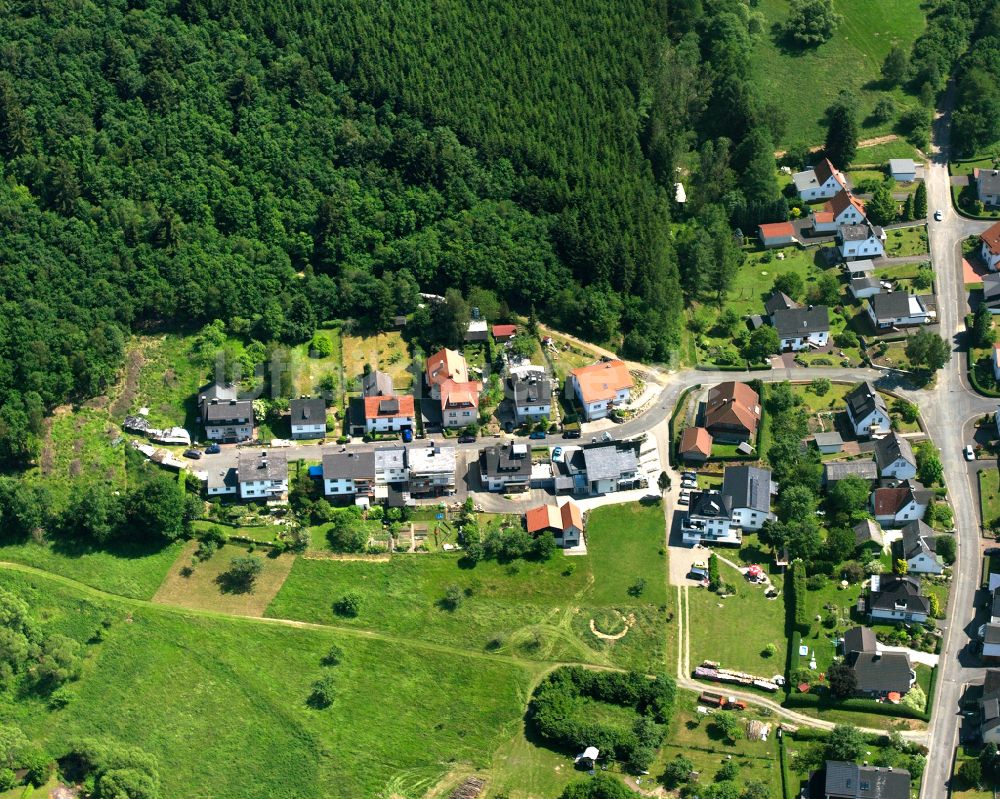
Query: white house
(819,183)
(776,234)
(861,241)
(843,209)
(898,309)
(748,490)
(389,414)
(989,699)
(996,361)
(990,250)
(600,387)
(897,598)
(308,417)
(802,328)
(895,458)
(903,169)
(709,520)
(864,287)
(442,366)
(987,185)
(867,411)
(390,465)
(531,395)
(917,547)
(348,473)
(505,468)
(431,469)
(895,507)
(221,482)
(565,522)
(262,474)
(459,403)
(225,417)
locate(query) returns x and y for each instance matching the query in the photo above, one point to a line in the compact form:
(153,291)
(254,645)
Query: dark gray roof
(881,672)
(257,464)
(892,447)
(308,410)
(215,391)
(992,634)
(219,410)
(989,709)
(748,487)
(852,781)
(350,465)
(891,305)
(610,461)
(531,389)
(796,322)
(864,399)
(917,538)
(828,439)
(989,181)
(991,287)
(838,470)
(710,505)
(867,532)
(779,301)
(904,591)
(856,232)
(512,460)
(859,639)
(991,682)
(865,282)
(376,384)
(225,478)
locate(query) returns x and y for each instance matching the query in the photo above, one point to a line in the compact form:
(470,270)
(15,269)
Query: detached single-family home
(895,598)
(505,467)
(868,535)
(531,394)
(389,414)
(991,292)
(987,185)
(262,474)
(839,779)
(308,417)
(821,182)
(610,467)
(390,465)
(776,234)
(918,550)
(862,240)
(879,674)
(565,522)
(348,473)
(600,387)
(459,403)
(220,482)
(709,520)
(988,706)
(990,249)
(802,328)
(732,412)
(843,209)
(778,301)
(864,286)
(895,458)
(840,470)
(894,507)
(504,333)
(996,361)
(903,170)
(442,366)
(431,470)
(225,417)
(376,384)
(695,445)
(991,642)
(898,309)
(867,411)
(748,490)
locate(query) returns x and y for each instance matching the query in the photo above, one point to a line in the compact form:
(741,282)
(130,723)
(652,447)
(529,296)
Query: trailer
(713,699)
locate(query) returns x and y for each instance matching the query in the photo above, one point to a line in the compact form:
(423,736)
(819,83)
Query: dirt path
(862,144)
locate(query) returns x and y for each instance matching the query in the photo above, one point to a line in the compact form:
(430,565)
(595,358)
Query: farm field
(538,610)
(806,82)
(171,682)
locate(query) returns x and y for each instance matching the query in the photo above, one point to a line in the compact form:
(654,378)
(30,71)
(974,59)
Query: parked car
(194,454)
(970,453)
(557,454)
(938,215)
(407,435)
(689,475)
(571,434)
(689,484)
(685,498)
(213,449)
(467,439)
(538,434)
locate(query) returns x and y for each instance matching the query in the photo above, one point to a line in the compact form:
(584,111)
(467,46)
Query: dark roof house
(863,400)
(779,301)
(376,384)
(308,410)
(899,593)
(748,487)
(842,780)
(799,322)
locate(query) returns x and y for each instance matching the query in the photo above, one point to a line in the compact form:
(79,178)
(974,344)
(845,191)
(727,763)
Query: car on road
(938,215)
(969,452)
(407,436)
(213,449)
(685,498)
(571,433)
(194,454)
(689,483)
(538,434)
(557,454)
(467,439)
(689,475)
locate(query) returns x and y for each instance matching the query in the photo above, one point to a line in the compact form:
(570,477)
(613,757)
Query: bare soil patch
(130,384)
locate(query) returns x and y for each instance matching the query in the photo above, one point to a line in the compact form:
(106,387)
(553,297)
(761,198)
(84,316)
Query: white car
(685,498)
(969,452)
(938,215)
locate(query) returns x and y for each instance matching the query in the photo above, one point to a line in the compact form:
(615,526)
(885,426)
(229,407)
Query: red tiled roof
(602,380)
(991,238)
(446,365)
(696,439)
(889,500)
(376,407)
(455,394)
(550,517)
(776,229)
(841,201)
(822,216)
(733,404)
(504,331)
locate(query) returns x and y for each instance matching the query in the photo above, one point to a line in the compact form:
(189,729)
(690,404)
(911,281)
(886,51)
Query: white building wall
(388,424)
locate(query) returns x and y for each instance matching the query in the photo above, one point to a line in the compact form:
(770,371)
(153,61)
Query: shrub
(333,656)
(816,582)
(453,597)
(348,605)
(800,616)
(323,692)
(713,572)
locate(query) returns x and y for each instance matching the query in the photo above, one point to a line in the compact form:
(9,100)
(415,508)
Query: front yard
(906,241)
(989,496)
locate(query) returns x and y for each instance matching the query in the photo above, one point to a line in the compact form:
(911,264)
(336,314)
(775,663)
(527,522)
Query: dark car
(192,453)
(538,434)
(571,433)
(466,439)
(407,435)
(213,449)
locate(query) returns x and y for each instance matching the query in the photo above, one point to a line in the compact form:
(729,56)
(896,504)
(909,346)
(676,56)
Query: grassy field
(879,154)
(906,241)
(384,351)
(311,372)
(805,82)
(734,631)
(989,495)
(829,600)
(568,355)
(222,704)
(532,609)
(168,380)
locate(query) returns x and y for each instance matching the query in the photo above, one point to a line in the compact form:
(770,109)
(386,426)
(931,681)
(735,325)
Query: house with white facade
(894,457)
(459,403)
(505,467)
(900,505)
(348,473)
(262,474)
(431,469)
(226,418)
(867,411)
(221,482)
(308,417)
(776,234)
(996,361)
(895,598)
(863,240)
(709,520)
(389,414)
(987,183)
(903,170)
(898,309)
(531,395)
(442,366)
(802,328)
(990,247)
(844,209)
(600,387)
(918,550)
(565,522)
(822,182)
(749,490)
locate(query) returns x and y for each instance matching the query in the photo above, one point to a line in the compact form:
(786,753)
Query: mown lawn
(879,154)
(906,241)
(829,600)
(804,83)
(528,608)
(989,495)
(221,703)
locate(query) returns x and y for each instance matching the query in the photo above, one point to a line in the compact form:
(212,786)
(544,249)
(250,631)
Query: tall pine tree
(842,134)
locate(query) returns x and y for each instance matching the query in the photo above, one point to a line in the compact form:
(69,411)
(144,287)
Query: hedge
(800,616)
(713,570)
(793,653)
(681,404)
(858,705)
(986,392)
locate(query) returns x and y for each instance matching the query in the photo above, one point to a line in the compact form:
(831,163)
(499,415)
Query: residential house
(220,482)
(991,292)
(894,598)
(262,474)
(600,387)
(840,779)
(531,395)
(991,641)
(610,467)
(565,522)
(748,490)
(917,548)
(478,330)
(894,507)
(709,520)
(802,328)
(348,473)
(868,536)
(376,384)
(442,366)
(226,418)
(990,246)
(894,457)
(828,443)
(987,185)
(732,412)
(864,468)
(504,333)
(695,445)
(879,674)
(819,183)
(777,234)
(308,417)
(843,210)
(389,414)
(903,170)
(863,240)
(867,411)
(505,467)
(864,287)
(779,301)
(459,403)
(431,470)
(988,706)
(996,413)
(390,465)
(898,309)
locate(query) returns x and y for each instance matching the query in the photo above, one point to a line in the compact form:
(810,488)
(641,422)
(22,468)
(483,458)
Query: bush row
(800,615)
(795,700)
